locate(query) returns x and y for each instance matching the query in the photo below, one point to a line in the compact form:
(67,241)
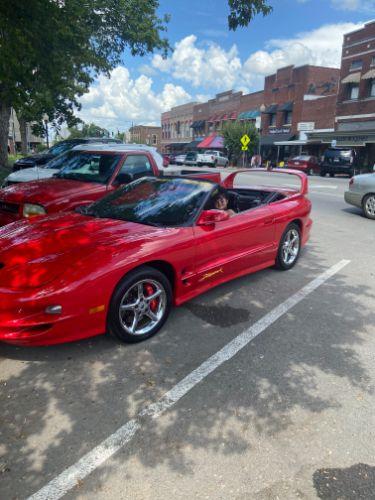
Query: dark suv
(57,149)
(338,161)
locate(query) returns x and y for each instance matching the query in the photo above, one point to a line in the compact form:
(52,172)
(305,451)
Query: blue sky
(208,58)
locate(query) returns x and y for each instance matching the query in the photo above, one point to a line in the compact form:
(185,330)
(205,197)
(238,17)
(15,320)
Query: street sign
(245,139)
(244,148)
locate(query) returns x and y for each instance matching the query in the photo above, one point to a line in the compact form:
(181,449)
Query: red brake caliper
(154,302)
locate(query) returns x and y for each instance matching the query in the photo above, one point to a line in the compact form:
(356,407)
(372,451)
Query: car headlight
(30,210)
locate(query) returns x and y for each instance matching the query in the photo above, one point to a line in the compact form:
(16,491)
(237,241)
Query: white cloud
(210,66)
(321,47)
(117,101)
(367,6)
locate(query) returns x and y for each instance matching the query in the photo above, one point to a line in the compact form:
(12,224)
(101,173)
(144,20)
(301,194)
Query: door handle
(269,221)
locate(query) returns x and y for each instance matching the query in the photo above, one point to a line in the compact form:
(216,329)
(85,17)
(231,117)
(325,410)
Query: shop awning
(224,117)
(352,78)
(193,144)
(212,141)
(288,106)
(251,114)
(271,109)
(233,116)
(197,124)
(369,75)
(271,139)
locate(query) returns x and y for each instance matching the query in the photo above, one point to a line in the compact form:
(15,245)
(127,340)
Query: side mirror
(123,178)
(210,217)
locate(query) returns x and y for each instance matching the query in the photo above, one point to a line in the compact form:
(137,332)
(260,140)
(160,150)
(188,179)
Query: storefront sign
(305,126)
(279,130)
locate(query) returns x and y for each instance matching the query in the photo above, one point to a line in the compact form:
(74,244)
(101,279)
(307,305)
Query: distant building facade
(297,100)
(145,134)
(355,108)
(176,127)
(14,136)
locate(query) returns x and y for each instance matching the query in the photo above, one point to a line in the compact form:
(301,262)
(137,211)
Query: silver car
(362,194)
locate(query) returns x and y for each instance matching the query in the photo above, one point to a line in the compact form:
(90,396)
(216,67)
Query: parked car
(179,159)
(305,163)
(212,159)
(149,245)
(338,161)
(90,173)
(191,158)
(361,194)
(58,149)
(56,164)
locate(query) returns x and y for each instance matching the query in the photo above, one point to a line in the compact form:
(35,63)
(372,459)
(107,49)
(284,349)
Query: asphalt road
(290,416)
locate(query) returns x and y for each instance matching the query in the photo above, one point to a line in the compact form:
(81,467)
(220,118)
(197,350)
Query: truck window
(137,166)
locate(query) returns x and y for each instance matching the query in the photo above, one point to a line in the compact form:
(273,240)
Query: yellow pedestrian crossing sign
(245,140)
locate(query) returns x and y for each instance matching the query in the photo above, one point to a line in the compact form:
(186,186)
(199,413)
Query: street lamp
(45,120)
(262,109)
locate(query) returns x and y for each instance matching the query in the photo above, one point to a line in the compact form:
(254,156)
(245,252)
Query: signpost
(245,140)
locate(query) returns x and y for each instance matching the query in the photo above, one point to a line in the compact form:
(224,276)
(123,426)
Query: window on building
(356,65)
(373,61)
(353,91)
(288,118)
(154,139)
(372,88)
(272,119)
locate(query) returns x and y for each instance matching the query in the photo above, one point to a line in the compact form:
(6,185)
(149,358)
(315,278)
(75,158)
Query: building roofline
(368,23)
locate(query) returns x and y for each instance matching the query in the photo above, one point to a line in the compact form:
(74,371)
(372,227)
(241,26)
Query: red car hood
(49,191)
(73,236)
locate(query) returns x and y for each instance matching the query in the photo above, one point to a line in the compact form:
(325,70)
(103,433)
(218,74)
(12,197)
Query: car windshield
(89,167)
(344,153)
(59,162)
(61,147)
(302,158)
(155,202)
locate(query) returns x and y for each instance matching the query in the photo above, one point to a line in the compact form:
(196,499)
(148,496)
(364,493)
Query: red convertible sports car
(120,264)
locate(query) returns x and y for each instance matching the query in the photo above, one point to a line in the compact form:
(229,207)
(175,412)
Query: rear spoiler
(229,180)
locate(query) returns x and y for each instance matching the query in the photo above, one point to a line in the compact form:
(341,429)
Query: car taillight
(351,182)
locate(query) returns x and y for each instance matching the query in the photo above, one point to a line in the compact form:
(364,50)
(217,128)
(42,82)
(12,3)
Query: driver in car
(221,203)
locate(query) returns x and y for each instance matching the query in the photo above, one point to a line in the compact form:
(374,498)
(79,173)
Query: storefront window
(356,65)
(272,120)
(372,87)
(288,118)
(353,91)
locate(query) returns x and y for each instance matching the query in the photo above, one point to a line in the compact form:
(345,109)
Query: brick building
(297,100)
(355,109)
(146,134)
(176,127)
(210,116)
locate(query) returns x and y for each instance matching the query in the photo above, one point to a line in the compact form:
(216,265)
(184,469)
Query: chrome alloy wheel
(290,248)
(142,307)
(370,205)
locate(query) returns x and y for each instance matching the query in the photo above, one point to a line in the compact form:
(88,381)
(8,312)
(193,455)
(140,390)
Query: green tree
(51,50)
(233,132)
(87,130)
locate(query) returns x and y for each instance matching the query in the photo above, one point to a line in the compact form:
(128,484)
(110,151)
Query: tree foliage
(233,132)
(51,50)
(87,130)
(243,11)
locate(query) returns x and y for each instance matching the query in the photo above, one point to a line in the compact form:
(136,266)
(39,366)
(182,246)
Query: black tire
(310,171)
(323,173)
(200,165)
(114,325)
(281,262)
(331,174)
(226,165)
(366,207)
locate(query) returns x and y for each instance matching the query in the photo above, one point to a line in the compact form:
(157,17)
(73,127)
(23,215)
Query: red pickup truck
(88,175)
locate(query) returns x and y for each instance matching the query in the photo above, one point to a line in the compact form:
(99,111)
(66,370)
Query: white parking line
(65,481)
